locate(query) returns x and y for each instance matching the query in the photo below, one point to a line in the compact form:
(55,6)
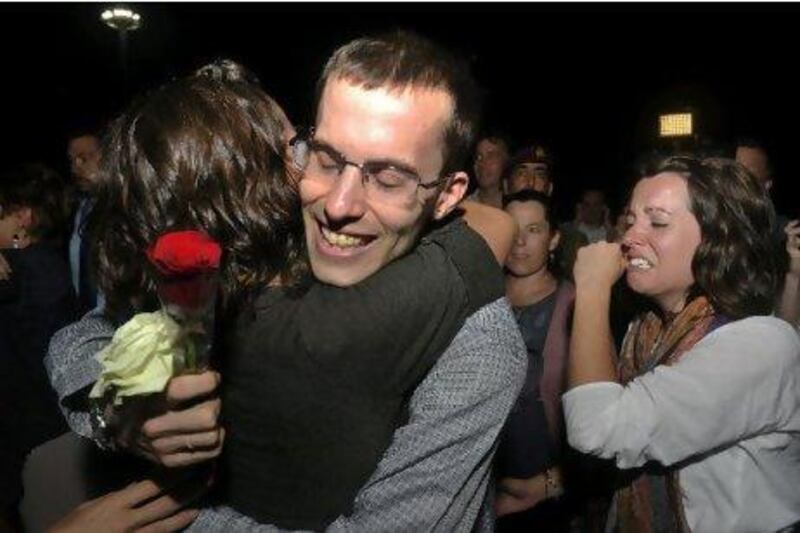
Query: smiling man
(357,224)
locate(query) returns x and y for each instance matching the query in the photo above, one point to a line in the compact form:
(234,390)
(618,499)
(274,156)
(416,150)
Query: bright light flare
(121,18)
(675,125)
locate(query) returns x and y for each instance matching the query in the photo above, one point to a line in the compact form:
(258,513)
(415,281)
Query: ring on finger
(188,445)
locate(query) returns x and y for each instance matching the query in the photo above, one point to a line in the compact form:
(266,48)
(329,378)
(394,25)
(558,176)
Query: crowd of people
(390,352)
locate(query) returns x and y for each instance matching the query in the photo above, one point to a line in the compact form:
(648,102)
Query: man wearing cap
(530,168)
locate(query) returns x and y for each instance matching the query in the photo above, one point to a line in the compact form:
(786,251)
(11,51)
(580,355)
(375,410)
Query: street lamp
(123,19)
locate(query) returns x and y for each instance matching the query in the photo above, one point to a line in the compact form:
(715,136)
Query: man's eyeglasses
(384,182)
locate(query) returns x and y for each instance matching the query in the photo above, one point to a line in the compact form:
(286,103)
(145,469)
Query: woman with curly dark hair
(701,412)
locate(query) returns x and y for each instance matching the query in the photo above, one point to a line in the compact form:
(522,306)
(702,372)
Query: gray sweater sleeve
(435,474)
(72,368)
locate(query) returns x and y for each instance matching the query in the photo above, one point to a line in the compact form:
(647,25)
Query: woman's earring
(15,241)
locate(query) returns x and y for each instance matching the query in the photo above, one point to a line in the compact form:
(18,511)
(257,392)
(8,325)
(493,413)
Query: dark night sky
(587,78)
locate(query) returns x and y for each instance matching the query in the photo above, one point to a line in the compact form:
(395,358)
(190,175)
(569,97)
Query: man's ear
(451,195)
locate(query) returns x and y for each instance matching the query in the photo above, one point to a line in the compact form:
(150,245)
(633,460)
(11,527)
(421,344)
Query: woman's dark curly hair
(737,264)
(203,152)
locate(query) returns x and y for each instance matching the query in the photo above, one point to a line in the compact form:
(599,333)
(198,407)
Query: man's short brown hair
(402,59)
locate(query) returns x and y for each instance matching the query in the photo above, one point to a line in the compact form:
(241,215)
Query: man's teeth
(640,263)
(340,239)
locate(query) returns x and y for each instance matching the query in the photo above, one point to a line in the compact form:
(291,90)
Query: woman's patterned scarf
(652,341)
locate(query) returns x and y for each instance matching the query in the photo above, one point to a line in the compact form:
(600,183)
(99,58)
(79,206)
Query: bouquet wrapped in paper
(151,348)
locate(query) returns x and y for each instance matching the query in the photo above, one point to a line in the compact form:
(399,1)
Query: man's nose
(347,198)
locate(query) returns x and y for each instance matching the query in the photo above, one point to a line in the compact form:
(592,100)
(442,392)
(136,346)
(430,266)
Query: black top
(37,301)
(525,446)
(316,384)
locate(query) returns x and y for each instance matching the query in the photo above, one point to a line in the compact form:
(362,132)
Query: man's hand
(179,429)
(145,507)
(5,268)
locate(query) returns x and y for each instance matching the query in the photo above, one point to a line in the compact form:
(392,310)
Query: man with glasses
(395,121)
(360,216)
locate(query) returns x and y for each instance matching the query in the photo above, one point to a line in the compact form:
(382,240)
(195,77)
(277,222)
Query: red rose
(185,253)
(187,263)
